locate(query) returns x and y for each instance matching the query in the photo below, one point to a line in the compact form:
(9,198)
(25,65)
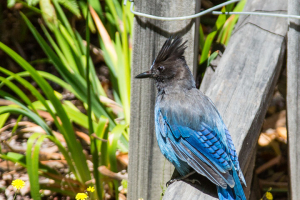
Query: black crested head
(170,68)
(172,50)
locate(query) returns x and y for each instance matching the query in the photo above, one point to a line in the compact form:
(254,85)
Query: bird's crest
(172,50)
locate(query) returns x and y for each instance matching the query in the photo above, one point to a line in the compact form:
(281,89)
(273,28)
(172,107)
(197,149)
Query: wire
(183,17)
(210,10)
(256,13)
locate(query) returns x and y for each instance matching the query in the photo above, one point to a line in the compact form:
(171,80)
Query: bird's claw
(185,178)
(171,181)
(192,181)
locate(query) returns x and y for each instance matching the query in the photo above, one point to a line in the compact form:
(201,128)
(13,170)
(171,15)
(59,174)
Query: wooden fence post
(148,169)
(293,99)
(242,86)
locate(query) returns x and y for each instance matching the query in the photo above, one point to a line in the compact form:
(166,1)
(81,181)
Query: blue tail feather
(235,193)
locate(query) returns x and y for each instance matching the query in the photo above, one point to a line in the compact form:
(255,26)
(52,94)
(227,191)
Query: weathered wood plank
(243,84)
(293,100)
(148,169)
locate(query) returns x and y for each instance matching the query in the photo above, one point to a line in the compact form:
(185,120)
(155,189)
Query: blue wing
(234,157)
(189,140)
(200,150)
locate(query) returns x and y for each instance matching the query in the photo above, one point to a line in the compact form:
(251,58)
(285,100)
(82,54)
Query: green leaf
(84,9)
(97,87)
(124,183)
(48,13)
(17,124)
(123,146)
(113,7)
(28,113)
(94,149)
(97,7)
(11,3)
(71,5)
(127,71)
(104,159)
(32,2)
(32,168)
(100,131)
(114,137)
(201,38)
(18,91)
(21,160)
(63,17)
(3,119)
(207,45)
(76,115)
(66,50)
(212,57)
(72,78)
(33,90)
(210,37)
(227,29)
(74,50)
(14,157)
(67,129)
(32,161)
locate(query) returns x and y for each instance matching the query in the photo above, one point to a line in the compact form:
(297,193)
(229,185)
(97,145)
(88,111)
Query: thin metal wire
(125,1)
(183,17)
(210,10)
(256,13)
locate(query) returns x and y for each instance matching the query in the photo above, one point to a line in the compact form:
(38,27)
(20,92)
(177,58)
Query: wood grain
(242,86)
(293,99)
(148,169)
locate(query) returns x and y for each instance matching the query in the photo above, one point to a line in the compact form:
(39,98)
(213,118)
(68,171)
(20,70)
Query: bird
(189,129)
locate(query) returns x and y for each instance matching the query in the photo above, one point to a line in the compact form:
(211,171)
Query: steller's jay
(190,131)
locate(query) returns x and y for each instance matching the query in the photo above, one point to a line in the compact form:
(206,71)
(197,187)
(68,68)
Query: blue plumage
(189,129)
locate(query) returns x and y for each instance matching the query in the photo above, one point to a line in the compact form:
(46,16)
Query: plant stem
(15,195)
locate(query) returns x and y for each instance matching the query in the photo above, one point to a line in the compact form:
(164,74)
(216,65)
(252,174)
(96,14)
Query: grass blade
(32,168)
(3,119)
(67,129)
(94,149)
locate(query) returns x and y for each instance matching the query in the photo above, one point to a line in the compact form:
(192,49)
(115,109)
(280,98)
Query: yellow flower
(269,196)
(18,184)
(81,196)
(91,189)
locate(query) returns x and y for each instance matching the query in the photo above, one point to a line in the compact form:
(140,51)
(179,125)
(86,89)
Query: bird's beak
(146,74)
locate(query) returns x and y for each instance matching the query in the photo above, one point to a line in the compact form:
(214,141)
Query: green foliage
(210,37)
(211,58)
(117,52)
(220,35)
(47,9)
(222,29)
(69,54)
(11,3)
(71,5)
(227,28)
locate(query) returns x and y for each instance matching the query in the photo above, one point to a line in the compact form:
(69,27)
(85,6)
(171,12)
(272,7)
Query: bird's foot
(183,178)
(172,181)
(192,181)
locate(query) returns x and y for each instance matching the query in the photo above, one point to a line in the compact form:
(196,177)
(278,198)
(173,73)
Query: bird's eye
(160,68)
